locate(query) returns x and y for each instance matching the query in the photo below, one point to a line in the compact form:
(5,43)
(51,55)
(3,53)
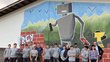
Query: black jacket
(100,50)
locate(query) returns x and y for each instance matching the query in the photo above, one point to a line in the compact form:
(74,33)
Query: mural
(96,17)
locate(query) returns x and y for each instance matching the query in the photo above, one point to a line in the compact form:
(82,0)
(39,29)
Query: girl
(93,54)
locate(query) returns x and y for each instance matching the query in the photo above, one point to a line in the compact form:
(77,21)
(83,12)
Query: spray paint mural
(95,16)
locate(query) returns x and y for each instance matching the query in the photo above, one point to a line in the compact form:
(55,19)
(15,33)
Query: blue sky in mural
(47,10)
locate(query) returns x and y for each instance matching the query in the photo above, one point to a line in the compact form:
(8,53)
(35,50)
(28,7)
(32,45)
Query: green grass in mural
(92,23)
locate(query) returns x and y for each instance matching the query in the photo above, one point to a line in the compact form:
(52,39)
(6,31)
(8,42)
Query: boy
(56,53)
(47,54)
(7,53)
(26,53)
(72,54)
(13,55)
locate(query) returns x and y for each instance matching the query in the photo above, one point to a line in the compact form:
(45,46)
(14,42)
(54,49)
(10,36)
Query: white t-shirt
(34,52)
(46,53)
(7,52)
(51,52)
(26,52)
(56,52)
(72,52)
(13,52)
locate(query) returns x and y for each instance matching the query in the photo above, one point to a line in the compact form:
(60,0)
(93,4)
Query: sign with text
(31,36)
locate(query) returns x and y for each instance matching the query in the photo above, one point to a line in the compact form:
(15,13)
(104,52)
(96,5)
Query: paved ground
(1,55)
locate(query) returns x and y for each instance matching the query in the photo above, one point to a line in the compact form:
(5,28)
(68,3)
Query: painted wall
(10,25)
(94,15)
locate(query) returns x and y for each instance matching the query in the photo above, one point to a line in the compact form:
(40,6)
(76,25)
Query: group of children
(28,52)
(52,53)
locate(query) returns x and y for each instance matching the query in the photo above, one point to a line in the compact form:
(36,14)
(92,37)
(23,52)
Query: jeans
(39,59)
(26,60)
(33,58)
(51,59)
(55,60)
(93,60)
(77,60)
(6,60)
(20,59)
(13,59)
(84,61)
(60,60)
(46,60)
(71,61)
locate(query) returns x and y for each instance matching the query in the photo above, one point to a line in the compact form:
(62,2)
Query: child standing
(72,54)
(47,54)
(7,53)
(33,54)
(26,53)
(85,54)
(56,53)
(13,56)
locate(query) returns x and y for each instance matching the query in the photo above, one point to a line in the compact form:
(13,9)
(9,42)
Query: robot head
(64,8)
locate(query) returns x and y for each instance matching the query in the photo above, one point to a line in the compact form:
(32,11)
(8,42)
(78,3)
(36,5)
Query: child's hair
(75,43)
(93,46)
(26,44)
(55,44)
(86,47)
(14,44)
(9,44)
(72,46)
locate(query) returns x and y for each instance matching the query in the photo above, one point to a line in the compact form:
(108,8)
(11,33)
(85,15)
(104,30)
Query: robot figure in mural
(66,24)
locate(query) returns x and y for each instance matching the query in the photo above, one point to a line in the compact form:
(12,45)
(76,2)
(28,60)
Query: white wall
(10,28)
(10,24)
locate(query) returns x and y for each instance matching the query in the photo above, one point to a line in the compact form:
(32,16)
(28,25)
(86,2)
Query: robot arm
(82,26)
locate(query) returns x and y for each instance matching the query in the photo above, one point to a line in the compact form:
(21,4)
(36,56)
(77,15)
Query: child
(19,53)
(47,54)
(85,54)
(72,54)
(93,54)
(7,53)
(33,54)
(64,59)
(13,56)
(26,53)
(56,53)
